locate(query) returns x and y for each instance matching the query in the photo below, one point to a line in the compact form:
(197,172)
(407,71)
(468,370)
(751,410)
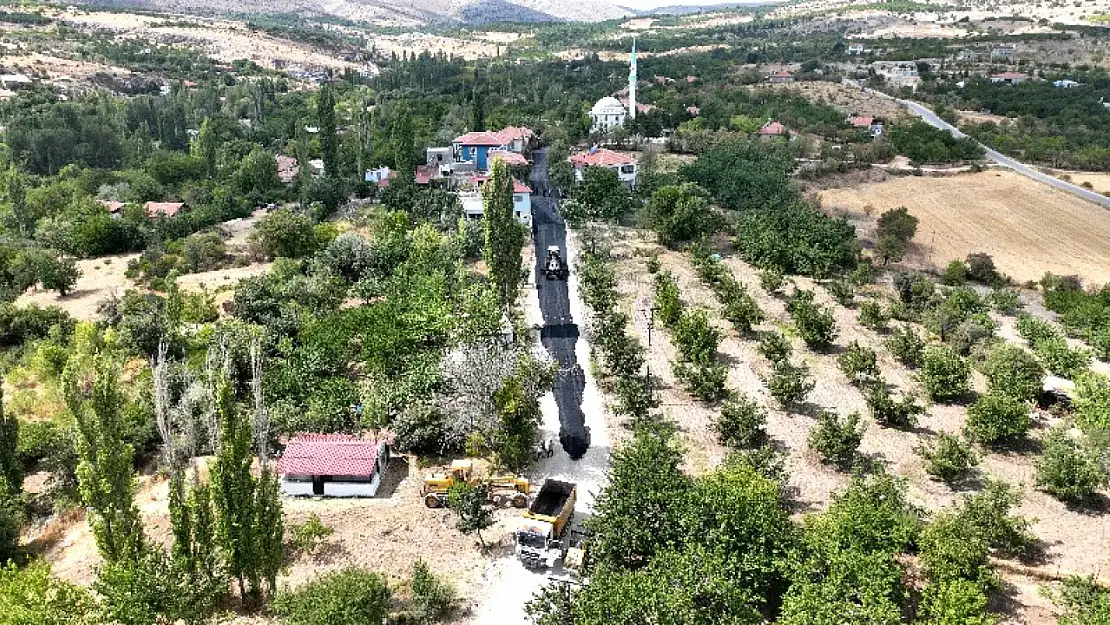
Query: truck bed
(551,498)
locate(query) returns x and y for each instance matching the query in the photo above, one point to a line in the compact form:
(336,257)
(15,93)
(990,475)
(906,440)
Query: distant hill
(398,12)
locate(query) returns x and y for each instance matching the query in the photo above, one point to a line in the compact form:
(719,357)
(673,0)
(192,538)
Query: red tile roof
(601,157)
(169,209)
(861,122)
(511,158)
(1010,76)
(483,138)
(518,186)
(424,173)
(693,110)
(517,132)
(771,129)
(329,454)
(112,206)
(287,168)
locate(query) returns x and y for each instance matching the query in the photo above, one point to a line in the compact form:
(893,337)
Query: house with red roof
(869,125)
(780,77)
(623,164)
(474,147)
(114,208)
(512,159)
(1010,78)
(165,209)
(332,465)
(473,205)
(773,129)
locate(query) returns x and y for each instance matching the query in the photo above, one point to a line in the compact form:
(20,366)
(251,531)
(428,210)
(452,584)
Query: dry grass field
(1028,228)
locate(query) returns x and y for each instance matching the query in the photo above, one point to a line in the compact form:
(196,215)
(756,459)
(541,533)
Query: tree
(741,424)
(1068,471)
(194,555)
(893,233)
(1014,371)
(206,146)
(31,595)
(950,459)
(471,505)
(679,214)
(104,473)
(504,234)
(944,374)
(837,439)
(329,138)
(433,599)
(996,418)
(603,194)
(58,273)
(15,182)
(789,384)
(519,418)
(257,176)
(402,139)
(285,234)
(348,596)
(478,110)
(815,324)
(11,469)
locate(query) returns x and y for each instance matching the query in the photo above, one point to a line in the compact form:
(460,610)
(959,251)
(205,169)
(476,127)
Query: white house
(855,48)
(608,113)
(624,165)
(473,206)
(1065,84)
(332,465)
(376,176)
(1010,78)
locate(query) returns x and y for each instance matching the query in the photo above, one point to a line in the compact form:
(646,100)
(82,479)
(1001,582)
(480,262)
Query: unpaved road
(575,401)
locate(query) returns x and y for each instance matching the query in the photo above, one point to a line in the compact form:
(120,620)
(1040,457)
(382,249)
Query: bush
(1005,301)
(944,374)
(307,536)
(1036,331)
(915,289)
(704,380)
(952,549)
(668,299)
(1085,602)
(996,418)
(775,347)
(1092,403)
(741,424)
(859,364)
(789,384)
(284,233)
(872,315)
(433,599)
(907,346)
(955,274)
(955,602)
(988,511)
(950,459)
(980,268)
(843,292)
(349,596)
(1066,470)
(1061,359)
(696,338)
(1014,371)
(771,280)
(814,323)
(900,414)
(968,334)
(835,439)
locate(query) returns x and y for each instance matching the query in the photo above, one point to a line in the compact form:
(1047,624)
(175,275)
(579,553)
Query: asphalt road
(931,118)
(560,333)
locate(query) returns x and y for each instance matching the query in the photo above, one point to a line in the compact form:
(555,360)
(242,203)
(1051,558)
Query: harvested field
(1073,541)
(1028,228)
(1099,182)
(100,278)
(844,99)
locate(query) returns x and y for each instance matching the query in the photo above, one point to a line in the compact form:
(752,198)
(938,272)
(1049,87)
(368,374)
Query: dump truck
(553,265)
(503,489)
(543,526)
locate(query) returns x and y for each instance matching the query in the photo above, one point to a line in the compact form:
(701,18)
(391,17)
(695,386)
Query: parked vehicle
(543,526)
(554,266)
(503,489)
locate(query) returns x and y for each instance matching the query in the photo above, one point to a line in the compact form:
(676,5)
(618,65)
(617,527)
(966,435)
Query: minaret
(632,83)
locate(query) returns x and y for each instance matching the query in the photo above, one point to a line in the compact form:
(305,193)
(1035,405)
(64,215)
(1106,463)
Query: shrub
(307,536)
(915,289)
(955,274)
(980,268)
(835,439)
(950,459)
(741,309)
(775,347)
(815,324)
(1092,403)
(696,338)
(741,424)
(955,602)
(996,418)
(789,384)
(1099,340)
(843,292)
(1035,330)
(1084,601)
(1005,301)
(872,315)
(1014,371)
(668,299)
(348,596)
(988,512)
(859,364)
(1061,359)
(704,380)
(900,414)
(944,374)
(979,329)
(952,548)
(771,280)
(907,346)
(1066,470)
(433,599)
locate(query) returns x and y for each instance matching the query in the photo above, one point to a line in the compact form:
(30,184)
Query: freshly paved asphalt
(560,332)
(931,118)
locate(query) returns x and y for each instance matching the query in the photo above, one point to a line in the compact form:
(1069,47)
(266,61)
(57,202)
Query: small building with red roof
(112,206)
(866,124)
(332,465)
(623,164)
(513,159)
(475,147)
(780,77)
(773,129)
(1010,78)
(165,209)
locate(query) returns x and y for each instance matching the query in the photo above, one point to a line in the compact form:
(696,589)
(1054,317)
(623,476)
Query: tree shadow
(1097,504)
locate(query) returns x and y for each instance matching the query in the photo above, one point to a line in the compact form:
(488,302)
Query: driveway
(573,411)
(931,118)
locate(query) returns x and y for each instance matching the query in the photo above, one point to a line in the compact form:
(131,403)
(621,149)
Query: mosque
(609,113)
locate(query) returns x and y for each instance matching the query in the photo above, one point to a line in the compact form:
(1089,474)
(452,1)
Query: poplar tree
(195,554)
(11,472)
(329,140)
(205,146)
(504,234)
(104,470)
(233,493)
(478,111)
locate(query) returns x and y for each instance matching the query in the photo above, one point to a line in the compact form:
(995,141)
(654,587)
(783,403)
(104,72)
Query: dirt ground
(100,278)
(1073,541)
(1028,228)
(845,100)
(1099,182)
(385,534)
